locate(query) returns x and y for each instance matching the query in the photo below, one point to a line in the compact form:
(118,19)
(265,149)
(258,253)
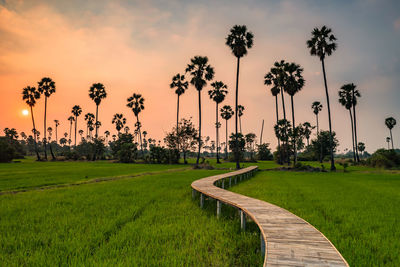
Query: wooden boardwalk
(290,240)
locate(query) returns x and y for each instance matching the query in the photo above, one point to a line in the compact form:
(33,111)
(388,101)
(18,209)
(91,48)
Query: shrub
(383,158)
(7,151)
(127,153)
(264,152)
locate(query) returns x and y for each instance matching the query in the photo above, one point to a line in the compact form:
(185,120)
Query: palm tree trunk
(51,151)
(355,129)
(284,117)
(140,135)
(391,138)
(177,122)
(97,114)
(352,135)
(76,122)
(199,141)
(217,137)
(240,123)
(333,168)
(294,133)
(277,119)
(226,139)
(236,116)
(320,155)
(34,135)
(45,140)
(70,132)
(56,136)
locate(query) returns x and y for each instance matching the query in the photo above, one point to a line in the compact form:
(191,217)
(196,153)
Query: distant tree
(361,148)
(201,72)
(81,133)
(346,99)
(264,152)
(97,93)
(56,124)
(390,123)
(218,96)
(107,134)
(250,144)
(126,129)
(307,131)
(282,132)
(239,41)
(50,132)
(136,103)
(226,114)
(11,133)
(322,44)
(240,110)
(63,141)
(71,120)
(76,111)
(30,95)
(388,141)
(317,107)
(180,85)
(323,141)
(89,118)
(47,87)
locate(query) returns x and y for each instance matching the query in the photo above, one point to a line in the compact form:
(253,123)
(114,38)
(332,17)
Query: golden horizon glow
(25,112)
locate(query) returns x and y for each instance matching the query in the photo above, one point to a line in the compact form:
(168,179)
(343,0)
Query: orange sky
(138,48)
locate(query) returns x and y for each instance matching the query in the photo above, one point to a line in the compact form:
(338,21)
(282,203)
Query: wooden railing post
(218,208)
(242,220)
(201,200)
(193,194)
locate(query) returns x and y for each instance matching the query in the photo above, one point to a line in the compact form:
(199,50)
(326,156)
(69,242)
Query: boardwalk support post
(218,208)
(262,244)
(242,220)
(201,200)
(193,194)
(223,184)
(230,181)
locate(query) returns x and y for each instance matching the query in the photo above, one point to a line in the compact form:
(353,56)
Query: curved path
(290,240)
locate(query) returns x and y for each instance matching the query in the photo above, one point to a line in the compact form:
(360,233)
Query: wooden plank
(288,239)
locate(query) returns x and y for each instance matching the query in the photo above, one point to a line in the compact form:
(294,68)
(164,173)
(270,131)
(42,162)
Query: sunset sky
(137,46)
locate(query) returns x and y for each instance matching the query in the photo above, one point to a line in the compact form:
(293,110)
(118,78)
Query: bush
(264,152)
(127,153)
(161,155)
(383,158)
(7,151)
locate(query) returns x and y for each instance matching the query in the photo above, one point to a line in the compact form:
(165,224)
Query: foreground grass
(144,221)
(359,211)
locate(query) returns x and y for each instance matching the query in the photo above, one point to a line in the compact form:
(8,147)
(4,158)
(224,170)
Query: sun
(25,112)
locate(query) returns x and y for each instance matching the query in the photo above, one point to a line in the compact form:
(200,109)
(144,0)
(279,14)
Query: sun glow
(25,112)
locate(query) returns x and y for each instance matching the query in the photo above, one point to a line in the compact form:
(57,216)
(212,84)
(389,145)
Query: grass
(358,210)
(148,220)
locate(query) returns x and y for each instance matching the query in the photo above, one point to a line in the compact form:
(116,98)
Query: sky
(137,46)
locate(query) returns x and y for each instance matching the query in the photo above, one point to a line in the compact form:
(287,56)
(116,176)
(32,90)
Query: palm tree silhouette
(226,114)
(217,95)
(295,82)
(239,40)
(240,110)
(346,98)
(317,107)
(50,131)
(71,119)
(356,94)
(107,134)
(180,85)
(322,44)
(76,111)
(97,92)
(119,121)
(89,118)
(56,123)
(135,102)
(388,141)
(307,128)
(47,87)
(201,72)
(30,95)
(390,123)
(81,134)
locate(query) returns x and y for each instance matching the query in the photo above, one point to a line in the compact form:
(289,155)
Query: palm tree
(239,40)
(180,85)
(356,94)
(119,121)
(240,110)
(201,72)
(390,123)
(47,87)
(56,123)
(346,98)
(361,148)
(126,129)
(89,118)
(226,114)
(30,95)
(81,134)
(76,111)
(71,119)
(50,131)
(135,102)
(322,44)
(295,82)
(107,134)
(307,128)
(388,141)
(217,95)
(97,92)
(317,107)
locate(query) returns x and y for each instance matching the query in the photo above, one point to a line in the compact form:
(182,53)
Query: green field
(147,220)
(359,211)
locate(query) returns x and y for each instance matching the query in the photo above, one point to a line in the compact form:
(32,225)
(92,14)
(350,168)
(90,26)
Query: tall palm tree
(136,103)
(201,72)
(307,128)
(322,44)
(56,123)
(226,114)
(47,87)
(97,92)
(388,141)
(119,121)
(217,95)
(180,85)
(317,107)
(71,120)
(81,134)
(30,95)
(295,82)
(76,111)
(89,118)
(346,98)
(356,94)
(240,110)
(239,41)
(107,134)
(390,123)
(50,131)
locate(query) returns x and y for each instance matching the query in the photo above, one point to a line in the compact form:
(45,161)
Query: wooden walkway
(290,240)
